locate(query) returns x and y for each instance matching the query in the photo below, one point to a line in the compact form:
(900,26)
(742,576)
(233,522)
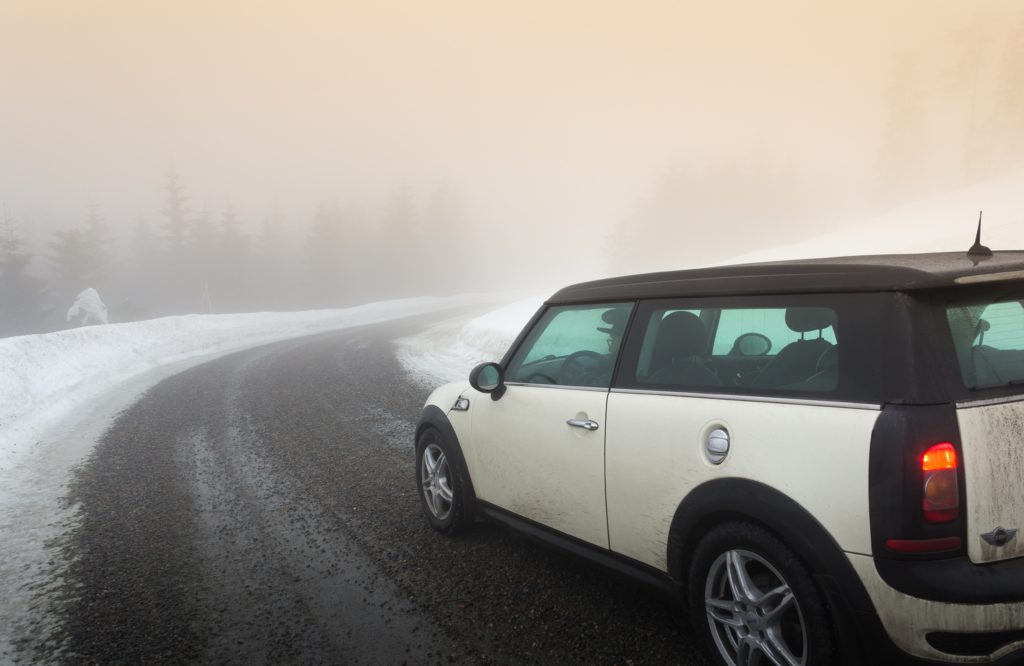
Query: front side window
(989,341)
(775,349)
(572,345)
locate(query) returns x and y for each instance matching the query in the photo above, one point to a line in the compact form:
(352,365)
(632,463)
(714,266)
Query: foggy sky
(549,118)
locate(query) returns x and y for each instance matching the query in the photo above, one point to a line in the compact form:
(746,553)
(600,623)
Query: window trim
(739,397)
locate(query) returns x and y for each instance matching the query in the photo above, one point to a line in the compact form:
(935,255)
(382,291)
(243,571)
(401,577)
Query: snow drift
(46,376)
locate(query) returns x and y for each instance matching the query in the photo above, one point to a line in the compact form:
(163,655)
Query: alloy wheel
(752,612)
(436,480)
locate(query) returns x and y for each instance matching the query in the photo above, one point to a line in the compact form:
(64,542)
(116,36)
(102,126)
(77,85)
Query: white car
(824,458)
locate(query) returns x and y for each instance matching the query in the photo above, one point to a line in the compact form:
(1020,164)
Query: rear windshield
(989,340)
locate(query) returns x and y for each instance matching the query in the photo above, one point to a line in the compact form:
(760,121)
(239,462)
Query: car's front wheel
(442,483)
(754,602)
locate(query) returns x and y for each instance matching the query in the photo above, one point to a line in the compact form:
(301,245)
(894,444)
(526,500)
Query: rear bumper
(909,620)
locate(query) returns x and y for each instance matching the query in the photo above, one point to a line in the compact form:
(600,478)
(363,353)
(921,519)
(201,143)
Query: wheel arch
(433,417)
(726,500)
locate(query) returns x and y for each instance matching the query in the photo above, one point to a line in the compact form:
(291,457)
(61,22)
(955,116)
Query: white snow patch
(447,351)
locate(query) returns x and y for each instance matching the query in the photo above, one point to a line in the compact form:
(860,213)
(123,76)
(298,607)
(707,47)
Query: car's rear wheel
(755,603)
(442,483)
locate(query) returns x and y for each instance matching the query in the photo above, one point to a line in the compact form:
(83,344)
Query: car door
(676,420)
(538,450)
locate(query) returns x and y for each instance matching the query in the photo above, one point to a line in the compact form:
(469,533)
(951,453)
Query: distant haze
(554,126)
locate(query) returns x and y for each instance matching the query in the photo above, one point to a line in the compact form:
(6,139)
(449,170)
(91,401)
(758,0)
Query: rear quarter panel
(817,455)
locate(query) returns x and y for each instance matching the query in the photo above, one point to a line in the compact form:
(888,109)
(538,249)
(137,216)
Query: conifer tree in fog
(449,252)
(176,221)
(99,246)
(22,297)
(81,257)
(325,249)
(232,269)
(273,272)
(200,289)
(178,288)
(141,275)
(402,260)
(74,266)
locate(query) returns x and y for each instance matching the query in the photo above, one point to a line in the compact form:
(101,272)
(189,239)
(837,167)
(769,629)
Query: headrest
(685,332)
(803,320)
(616,320)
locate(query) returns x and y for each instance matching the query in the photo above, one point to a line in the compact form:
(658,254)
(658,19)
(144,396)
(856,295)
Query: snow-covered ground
(60,391)
(46,377)
(447,351)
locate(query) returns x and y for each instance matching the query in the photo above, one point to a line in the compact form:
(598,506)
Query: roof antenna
(979,250)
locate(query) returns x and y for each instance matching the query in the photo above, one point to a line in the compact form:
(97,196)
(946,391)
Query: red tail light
(941,498)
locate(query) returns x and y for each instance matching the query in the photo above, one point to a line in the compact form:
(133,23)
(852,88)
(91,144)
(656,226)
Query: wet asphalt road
(262,508)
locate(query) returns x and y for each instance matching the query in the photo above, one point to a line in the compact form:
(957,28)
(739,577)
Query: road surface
(261,508)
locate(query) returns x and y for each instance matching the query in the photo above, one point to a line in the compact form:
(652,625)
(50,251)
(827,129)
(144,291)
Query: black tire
(447,516)
(793,618)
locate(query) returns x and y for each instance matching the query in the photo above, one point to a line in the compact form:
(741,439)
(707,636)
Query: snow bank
(448,351)
(46,376)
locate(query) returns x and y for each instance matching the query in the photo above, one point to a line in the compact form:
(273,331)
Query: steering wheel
(573,369)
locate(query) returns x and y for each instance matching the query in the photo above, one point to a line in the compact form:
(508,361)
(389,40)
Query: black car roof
(895,272)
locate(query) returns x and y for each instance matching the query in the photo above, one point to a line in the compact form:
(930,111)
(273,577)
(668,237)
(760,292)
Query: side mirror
(488,378)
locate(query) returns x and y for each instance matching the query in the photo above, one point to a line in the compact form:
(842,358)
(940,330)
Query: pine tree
(401,263)
(451,251)
(201,288)
(142,289)
(97,239)
(233,267)
(325,247)
(176,227)
(273,269)
(73,266)
(234,243)
(22,297)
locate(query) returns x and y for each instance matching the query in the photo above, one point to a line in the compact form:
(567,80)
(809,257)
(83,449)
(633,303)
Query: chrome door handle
(585,424)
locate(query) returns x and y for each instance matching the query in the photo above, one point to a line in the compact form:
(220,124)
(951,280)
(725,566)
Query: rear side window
(989,342)
(769,322)
(777,349)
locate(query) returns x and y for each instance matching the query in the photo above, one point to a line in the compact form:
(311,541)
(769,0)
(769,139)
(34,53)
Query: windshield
(989,340)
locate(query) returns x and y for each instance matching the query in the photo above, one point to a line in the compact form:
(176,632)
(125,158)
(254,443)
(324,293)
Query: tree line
(197,260)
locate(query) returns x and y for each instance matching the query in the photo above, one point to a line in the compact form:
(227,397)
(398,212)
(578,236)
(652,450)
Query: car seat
(678,352)
(798,360)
